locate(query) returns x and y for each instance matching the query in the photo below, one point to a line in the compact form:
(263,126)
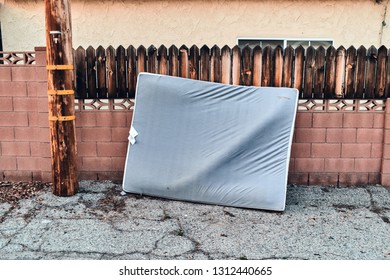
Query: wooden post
(60,77)
(1,45)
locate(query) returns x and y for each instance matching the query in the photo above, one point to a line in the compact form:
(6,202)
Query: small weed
(386,219)
(166,216)
(180,232)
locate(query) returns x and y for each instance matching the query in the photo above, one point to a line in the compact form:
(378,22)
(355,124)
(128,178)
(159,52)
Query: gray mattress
(210,143)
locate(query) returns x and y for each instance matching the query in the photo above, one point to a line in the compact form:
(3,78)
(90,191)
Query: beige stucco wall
(115,22)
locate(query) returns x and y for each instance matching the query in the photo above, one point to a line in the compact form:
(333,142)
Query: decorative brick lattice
(17,57)
(104,104)
(345,105)
(310,105)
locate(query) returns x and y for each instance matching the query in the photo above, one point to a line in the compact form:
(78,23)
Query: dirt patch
(12,192)
(112,202)
(344,207)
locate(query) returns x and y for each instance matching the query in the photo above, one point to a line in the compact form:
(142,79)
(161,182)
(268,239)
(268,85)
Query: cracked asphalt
(320,222)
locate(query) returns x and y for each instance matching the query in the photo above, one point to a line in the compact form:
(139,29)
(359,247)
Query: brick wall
(102,143)
(339,148)
(329,147)
(23,129)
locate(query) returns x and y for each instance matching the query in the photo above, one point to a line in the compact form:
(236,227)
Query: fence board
(236,65)
(121,72)
(278,67)
(330,71)
(215,64)
(131,70)
(226,65)
(111,72)
(152,60)
(183,62)
(319,73)
(91,72)
(380,83)
(387,89)
(267,67)
(372,56)
(309,72)
(81,73)
(246,72)
(350,73)
(360,71)
(298,68)
(257,63)
(163,67)
(205,63)
(287,67)
(173,61)
(340,72)
(101,72)
(194,63)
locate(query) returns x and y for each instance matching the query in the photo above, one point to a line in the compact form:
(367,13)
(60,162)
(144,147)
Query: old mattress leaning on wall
(210,143)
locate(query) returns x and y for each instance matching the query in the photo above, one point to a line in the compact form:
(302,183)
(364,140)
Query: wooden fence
(317,73)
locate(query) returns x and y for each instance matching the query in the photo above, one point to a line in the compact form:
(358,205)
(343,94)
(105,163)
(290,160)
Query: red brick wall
(24,130)
(340,147)
(22,103)
(102,143)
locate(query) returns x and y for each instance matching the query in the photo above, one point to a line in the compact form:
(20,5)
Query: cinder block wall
(338,147)
(23,121)
(344,148)
(102,138)
(24,129)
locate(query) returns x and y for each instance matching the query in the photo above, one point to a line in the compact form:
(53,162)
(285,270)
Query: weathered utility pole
(60,79)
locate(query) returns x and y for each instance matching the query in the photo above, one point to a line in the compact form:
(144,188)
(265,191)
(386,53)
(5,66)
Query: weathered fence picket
(121,71)
(173,61)
(131,70)
(111,73)
(183,62)
(309,72)
(372,56)
(194,63)
(340,72)
(267,67)
(163,61)
(319,73)
(81,68)
(257,63)
(278,67)
(288,61)
(315,72)
(246,72)
(236,66)
(152,64)
(360,72)
(330,70)
(215,65)
(101,72)
(380,83)
(298,68)
(205,63)
(350,72)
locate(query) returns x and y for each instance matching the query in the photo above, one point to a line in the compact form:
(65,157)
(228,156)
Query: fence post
(60,77)
(1,45)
